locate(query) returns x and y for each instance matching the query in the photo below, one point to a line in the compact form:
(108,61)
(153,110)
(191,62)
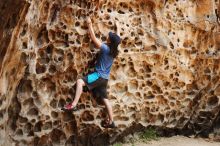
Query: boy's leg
(79,88)
(109,109)
(91,81)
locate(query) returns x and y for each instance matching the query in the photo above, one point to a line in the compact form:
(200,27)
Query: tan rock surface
(167,73)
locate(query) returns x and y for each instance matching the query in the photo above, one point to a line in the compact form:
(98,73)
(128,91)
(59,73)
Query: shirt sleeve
(104,48)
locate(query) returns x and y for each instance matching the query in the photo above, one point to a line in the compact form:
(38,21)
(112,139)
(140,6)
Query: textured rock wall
(8,21)
(167,72)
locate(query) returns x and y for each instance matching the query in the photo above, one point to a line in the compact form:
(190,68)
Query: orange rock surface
(167,73)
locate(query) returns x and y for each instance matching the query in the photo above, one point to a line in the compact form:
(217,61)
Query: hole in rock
(24,57)
(52,69)
(54,11)
(86,39)
(161,117)
(60,59)
(37,127)
(133,84)
(66,37)
(147,69)
(49,49)
(132,34)
(165,61)
(25,86)
(54,114)
(130,9)
(27,128)
(171,45)
(67,116)
(47,126)
(70,56)
(87,116)
(172,104)
(42,37)
(61,103)
(149,96)
(125,50)
(43,60)
(50,85)
(149,83)
(19,132)
(64,27)
(201,120)
(7,25)
(43,140)
(28,102)
(213,101)
(77,24)
(47,117)
(40,69)
(37,101)
(176,74)
(171,97)
(57,136)
(103,38)
(206,114)
(1,115)
(109,10)
(207,71)
(34,94)
(33,121)
(24,45)
(0,103)
(153,47)
(24,30)
(72,140)
(138,94)
(78,41)
(32,112)
(59,52)
(53,103)
(131,72)
(42,53)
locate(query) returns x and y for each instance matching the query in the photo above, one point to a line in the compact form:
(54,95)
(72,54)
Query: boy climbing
(98,80)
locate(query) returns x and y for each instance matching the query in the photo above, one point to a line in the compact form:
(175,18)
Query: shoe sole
(69,110)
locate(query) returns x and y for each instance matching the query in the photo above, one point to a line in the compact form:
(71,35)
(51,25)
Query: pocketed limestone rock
(166,74)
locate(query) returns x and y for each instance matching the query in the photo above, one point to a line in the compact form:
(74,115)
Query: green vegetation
(149,134)
(145,136)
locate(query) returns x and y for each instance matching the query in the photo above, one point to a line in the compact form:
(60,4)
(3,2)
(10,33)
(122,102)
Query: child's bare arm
(92,34)
(117,28)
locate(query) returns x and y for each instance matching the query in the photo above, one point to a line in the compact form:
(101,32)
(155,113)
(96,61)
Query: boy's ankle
(111,121)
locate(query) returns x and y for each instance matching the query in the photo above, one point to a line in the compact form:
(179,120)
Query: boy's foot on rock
(69,107)
(106,124)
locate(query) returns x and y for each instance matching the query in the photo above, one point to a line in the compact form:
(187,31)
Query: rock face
(167,73)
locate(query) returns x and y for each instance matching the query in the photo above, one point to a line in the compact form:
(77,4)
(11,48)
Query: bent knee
(80,82)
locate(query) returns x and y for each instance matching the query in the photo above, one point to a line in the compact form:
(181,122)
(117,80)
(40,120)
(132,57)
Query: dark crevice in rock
(13,113)
(9,16)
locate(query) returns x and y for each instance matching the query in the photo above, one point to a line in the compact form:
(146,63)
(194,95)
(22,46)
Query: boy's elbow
(98,44)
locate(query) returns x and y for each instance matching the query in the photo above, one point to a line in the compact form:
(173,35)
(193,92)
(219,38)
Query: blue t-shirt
(104,62)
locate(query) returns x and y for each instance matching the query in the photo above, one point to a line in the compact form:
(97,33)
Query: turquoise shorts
(92,77)
(97,84)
